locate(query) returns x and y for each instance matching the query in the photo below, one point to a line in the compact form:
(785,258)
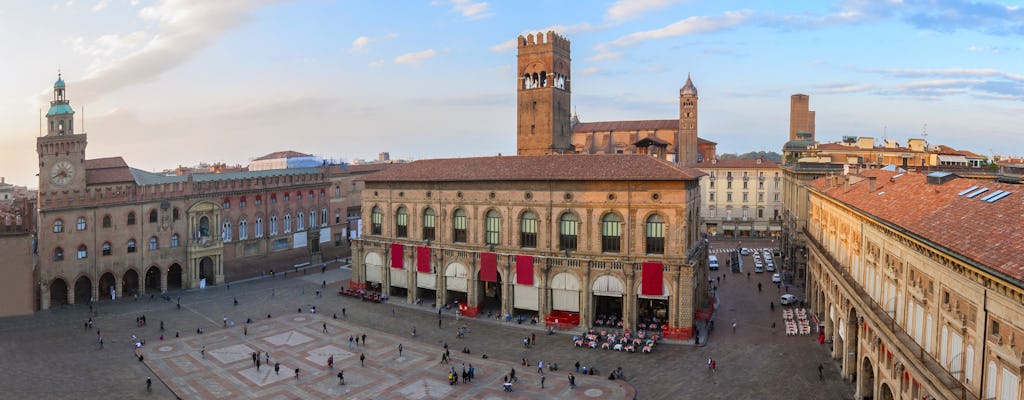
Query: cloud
(948,72)
(604,53)
(840,88)
(631,9)
(468,8)
(687,26)
(376,64)
(361,42)
(179,30)
(589,71)
(100,5)
(415,57)
(932,83)
(944,16)
(561,29)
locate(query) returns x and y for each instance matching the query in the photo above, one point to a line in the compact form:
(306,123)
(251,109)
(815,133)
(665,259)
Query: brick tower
(686,142)
(543,95)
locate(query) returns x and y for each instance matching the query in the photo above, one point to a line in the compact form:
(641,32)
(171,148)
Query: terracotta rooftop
(107,170)
(612,167)
(843,147)
(642,125)
(282,154)
(738,163)
(991,234)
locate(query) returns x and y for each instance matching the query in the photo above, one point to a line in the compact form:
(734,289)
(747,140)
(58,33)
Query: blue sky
(177,82)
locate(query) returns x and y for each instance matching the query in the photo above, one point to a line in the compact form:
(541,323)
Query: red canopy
(396,255)
(423,259)
(650,281)
(524,270)
(489,267)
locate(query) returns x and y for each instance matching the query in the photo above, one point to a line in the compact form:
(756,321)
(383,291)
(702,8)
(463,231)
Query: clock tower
(61,151)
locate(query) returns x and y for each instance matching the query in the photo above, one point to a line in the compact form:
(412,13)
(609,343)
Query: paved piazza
(50,355)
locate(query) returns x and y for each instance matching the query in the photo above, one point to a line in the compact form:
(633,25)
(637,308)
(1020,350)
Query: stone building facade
(918,283)
(572,238)
(108,230)
(742,197)
(18,270)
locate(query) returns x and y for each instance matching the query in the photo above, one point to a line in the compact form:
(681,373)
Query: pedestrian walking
(540,367)
(341,377)
(438,322)
(101,343)
(472,372)
(577,366)
(512,376)
(759,287)
(236,301)
(161,325)
(709,362)
(364,339)
(149,384)
(351,340)
(202,352)
(533,339)
(733,326)
(772,304)
(343,312)
(572,381)
(399,349)
(258,363)
(542,377)
(714,365)
(821,372)
(325,327)
(245,330)
(277,368)
(225,322)
(330,361)
(362,358)
(414,331)
(296,374)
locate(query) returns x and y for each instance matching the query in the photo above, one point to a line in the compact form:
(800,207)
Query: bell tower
(543,95)
(61,151)
(686,141)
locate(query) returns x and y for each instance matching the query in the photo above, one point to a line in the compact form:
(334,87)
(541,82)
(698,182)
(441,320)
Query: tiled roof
(991,234)
(843,147)
(737,163)
(643,125)
(282,154)
(970,154)
(612,167)
(107,170)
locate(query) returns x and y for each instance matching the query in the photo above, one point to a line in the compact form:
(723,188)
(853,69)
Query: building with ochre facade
(572,239)
(919,283)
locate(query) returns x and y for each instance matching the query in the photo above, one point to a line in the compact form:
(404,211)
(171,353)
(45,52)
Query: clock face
(62,173)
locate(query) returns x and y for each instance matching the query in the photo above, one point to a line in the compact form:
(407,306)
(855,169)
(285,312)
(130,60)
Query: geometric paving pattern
(298,341)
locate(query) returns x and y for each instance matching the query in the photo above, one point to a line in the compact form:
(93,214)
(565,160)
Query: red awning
(423,259)
(524,270)
(258,197)
(651,281)
(396,255)
(489,267)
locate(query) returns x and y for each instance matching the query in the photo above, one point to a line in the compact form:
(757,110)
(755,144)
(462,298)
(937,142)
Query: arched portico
(58,292)
(608,291)
(83,290)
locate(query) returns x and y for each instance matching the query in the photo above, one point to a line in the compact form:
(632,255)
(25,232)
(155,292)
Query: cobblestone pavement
(50,355)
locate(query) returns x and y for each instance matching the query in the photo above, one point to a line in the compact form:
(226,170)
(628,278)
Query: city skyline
(233,80)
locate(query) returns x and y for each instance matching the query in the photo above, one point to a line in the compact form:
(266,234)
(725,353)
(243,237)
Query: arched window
(459,224)
(300,223)
(174,214)
(287,223)
(83,252)
(152,216)
(106,221)
(259,227)
(323,217)
(243,229)
(58,254)
(131,245)
(528,230)
(106,248)
(376,219)
(131,218)
(655,235)
(154,243)
(492,233)
(402,223)
(568,231)
(58,226)
(225,231)
(273,225)
(429,224)
(204,227)
(611,233)
(175,240)
(80,224)
(312,219)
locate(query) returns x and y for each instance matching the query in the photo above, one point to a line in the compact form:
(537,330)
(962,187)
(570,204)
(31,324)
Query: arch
(106,221)
(884,392)
(654,234)
(429,224)
(154,243)
(460,226)
(376,220)
(108,285)
(402,222)
(374,264)
(153,217)
(492,227)
(58,292)
(207,271)
(58,254)
(83,289)
(528,227)
(58,225)
(130,282)
(131,218)
(456,275)
(565,292)
(609,286)
(866,385)
(153,278)
(204,226)
(174,276)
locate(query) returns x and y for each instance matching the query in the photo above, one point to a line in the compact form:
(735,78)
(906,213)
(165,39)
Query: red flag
(489,267)
(396,255)
(423,259)
(524,270)
(651,282)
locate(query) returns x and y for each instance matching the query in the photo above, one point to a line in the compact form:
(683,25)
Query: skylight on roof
(996,198)
(897,176)
(976,193)
(967,190)
(991,195)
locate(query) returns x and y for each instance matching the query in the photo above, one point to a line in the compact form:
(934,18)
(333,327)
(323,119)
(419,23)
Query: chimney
(871,184)
(846,180)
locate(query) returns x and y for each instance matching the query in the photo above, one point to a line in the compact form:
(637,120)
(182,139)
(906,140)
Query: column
(629,299)
(44,296)
(163,279)
(586,314)
(507,291)
(412,289)
(544,301)
(71,294)
(439,278)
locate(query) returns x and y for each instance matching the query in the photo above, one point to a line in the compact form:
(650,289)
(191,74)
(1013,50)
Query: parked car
(758,268)
(788,299)
(745,251)
(770,267)
(776,278)
(713,263)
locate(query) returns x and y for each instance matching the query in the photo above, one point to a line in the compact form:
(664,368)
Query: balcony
(915,356)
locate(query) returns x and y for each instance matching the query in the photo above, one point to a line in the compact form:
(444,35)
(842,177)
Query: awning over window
(729,227)
(952,159)
(760,227)
(745,227)
(775,228)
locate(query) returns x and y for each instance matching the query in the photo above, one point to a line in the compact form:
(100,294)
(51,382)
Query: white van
(713,263)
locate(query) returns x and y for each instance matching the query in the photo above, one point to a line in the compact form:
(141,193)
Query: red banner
(423,259)
(489,267)
(396,255)
(524,270)
(650,281)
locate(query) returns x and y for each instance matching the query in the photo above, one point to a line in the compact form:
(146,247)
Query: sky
(178,82)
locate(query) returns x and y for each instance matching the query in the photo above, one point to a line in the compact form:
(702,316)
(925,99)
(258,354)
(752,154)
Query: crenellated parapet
(550,38)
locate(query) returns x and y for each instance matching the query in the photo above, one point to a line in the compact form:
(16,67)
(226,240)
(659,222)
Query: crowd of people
(617,340)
